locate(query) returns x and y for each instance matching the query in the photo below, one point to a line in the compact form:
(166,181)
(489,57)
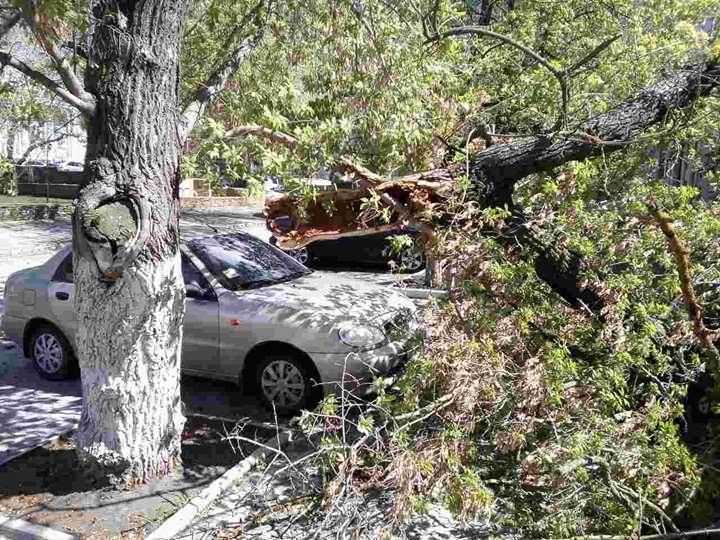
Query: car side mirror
(193,291)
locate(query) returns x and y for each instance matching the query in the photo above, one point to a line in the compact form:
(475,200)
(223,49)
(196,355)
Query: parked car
(72,166)
(373,248)
(253,315)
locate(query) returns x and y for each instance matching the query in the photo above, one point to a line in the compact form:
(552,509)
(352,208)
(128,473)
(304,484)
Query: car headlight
(360,336)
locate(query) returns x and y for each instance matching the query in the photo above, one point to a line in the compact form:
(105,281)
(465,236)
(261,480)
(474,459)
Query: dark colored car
(366,249)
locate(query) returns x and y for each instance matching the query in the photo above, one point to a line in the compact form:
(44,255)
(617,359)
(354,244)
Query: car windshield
(240,261)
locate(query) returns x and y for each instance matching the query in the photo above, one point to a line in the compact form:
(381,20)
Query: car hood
(321,299)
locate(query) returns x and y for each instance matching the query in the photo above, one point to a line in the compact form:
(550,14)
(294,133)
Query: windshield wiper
(257,283)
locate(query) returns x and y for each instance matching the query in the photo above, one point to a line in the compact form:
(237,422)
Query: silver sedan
(253,315)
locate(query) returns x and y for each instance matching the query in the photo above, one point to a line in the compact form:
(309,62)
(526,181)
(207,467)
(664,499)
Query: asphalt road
(56,406)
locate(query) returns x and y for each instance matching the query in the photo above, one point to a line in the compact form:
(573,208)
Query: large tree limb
(241,42)
(494,172)
(80,104)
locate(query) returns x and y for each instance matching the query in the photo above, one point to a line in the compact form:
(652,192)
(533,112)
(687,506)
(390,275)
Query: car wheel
(284,383)
(51,354)
(411,259)
(301,255)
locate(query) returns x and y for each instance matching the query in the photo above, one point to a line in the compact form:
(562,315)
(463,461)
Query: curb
(181,520)
(17,529)
(412,292)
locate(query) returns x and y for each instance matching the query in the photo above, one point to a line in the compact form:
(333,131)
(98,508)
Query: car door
(200,329)
(61,297)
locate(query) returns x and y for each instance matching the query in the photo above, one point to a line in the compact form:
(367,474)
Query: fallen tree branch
(494,172)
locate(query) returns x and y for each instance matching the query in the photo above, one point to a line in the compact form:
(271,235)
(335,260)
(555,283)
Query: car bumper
(357,370)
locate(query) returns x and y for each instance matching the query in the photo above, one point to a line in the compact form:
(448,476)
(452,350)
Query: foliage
(363,83)
(520,408)
(536,415)
(7,177)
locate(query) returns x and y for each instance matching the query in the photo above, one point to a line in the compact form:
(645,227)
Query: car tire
(411,260)
(51,354)
(284,383)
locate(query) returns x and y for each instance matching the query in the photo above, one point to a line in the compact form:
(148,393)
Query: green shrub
(7,177)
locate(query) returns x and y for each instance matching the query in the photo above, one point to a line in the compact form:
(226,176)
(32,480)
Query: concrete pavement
(32,410)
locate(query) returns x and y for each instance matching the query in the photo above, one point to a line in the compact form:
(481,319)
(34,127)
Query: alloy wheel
(301,255)
(283,383)
(48,353)
(411,259)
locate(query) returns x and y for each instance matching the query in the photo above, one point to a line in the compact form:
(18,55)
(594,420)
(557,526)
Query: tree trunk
(495,171)
(129,289)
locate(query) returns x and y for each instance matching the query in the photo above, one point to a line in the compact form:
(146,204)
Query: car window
(193,276)
(64,271)
(240,261)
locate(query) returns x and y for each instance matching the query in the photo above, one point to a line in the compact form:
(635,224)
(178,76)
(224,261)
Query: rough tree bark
(495,171)
(8,22)
(129,289)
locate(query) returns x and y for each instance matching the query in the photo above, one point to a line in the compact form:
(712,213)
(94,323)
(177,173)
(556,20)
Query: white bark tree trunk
(129,344)
(130,294)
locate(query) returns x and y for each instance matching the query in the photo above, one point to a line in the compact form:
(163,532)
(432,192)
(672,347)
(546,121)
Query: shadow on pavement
(46,485)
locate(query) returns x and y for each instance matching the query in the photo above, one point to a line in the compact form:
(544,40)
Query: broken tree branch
(495,171)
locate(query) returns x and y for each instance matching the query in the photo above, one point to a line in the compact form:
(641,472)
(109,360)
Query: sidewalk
(32,410)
